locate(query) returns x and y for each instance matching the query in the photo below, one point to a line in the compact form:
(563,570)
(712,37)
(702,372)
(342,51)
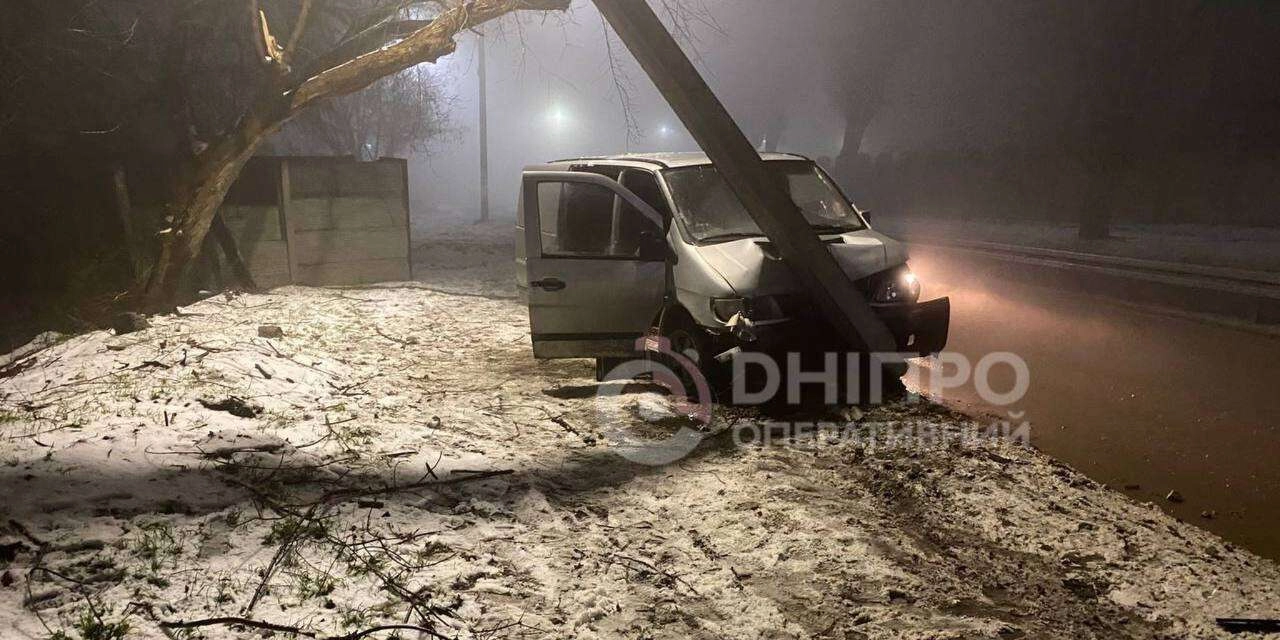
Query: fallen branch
(347,388)
(282,553)
(24,532)
(403,343)
(17,367)
(675,579)
(234,620)
(343,495)
(388,627)
(1257,625)
(447,292)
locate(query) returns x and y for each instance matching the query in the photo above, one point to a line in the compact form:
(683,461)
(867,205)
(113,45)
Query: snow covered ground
(399,458)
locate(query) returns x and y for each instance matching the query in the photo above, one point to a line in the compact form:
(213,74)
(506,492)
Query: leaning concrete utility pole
(484,136)
(761,193)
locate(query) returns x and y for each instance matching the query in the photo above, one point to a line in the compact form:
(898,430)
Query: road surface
(1145,402)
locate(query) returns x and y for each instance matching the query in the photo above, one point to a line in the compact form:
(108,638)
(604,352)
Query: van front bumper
(920,328)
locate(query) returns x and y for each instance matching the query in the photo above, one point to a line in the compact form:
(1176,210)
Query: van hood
(752,266)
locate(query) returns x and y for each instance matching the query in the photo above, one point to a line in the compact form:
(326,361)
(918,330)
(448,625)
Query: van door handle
(548,284)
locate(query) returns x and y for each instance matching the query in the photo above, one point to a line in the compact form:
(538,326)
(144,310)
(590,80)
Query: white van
(610,247)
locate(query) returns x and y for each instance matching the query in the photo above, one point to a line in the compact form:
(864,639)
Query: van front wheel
(607,364)
(691,341)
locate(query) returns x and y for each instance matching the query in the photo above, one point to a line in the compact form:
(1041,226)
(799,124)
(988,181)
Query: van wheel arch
(670,314)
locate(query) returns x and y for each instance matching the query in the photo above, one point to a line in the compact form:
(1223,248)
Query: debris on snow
(225,444)
(271,331)
(235,406)
(129,322)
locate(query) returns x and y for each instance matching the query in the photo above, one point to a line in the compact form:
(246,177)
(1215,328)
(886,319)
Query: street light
(558,116)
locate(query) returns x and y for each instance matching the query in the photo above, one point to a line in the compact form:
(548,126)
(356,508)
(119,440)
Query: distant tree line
(1047,185)
(1154,110)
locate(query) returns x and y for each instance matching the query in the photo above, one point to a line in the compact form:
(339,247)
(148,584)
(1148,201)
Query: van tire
(690,340)
(607,364)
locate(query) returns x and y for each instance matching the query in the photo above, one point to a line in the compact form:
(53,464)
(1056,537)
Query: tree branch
(268,49)
(235,620)
(427,44)
(390,627)
(299,27)
(365,41)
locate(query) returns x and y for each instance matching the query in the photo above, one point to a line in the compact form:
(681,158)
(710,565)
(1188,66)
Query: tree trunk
(202,191)
(849,166)
(120,187)
(1095,220)
(227,243)
(1105,175)
(212,277)
(194,207)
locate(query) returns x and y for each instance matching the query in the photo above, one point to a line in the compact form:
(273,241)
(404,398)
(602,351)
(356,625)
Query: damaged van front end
(758,306)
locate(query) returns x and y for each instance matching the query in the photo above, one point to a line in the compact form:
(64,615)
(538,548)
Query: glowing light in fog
(558,116)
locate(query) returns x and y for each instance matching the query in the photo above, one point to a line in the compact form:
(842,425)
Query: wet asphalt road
(1144,402)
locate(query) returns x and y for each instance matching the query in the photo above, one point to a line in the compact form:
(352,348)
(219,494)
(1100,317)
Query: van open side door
(591,262)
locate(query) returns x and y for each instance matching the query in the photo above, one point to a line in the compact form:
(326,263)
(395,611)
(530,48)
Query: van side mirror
(866,215)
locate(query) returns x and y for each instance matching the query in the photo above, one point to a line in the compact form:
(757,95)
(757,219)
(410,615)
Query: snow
(361,484)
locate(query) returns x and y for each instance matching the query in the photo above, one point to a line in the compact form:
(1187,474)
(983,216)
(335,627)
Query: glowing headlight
(897,286)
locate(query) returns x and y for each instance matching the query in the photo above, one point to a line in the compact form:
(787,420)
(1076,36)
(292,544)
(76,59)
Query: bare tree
(397,114)
(879,35)
(1123,61)
(385,38)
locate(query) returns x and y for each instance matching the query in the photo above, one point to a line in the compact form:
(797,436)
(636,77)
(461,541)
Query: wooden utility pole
(484,137)
(737,161)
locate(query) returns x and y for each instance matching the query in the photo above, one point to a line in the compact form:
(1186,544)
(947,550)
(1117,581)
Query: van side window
(586,220)
(645,184)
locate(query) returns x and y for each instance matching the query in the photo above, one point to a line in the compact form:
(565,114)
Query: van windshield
(711,212)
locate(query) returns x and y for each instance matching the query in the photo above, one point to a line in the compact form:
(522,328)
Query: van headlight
(726,308)
(897,286)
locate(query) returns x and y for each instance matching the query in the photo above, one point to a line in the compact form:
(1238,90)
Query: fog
(1096,101)
(555,92)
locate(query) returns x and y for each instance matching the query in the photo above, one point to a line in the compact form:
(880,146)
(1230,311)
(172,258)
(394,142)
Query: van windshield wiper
(737,235)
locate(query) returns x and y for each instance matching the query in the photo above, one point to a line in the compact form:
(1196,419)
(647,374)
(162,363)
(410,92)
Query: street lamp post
(484,137)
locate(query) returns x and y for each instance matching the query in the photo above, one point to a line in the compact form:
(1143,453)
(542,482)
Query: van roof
(673,159)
